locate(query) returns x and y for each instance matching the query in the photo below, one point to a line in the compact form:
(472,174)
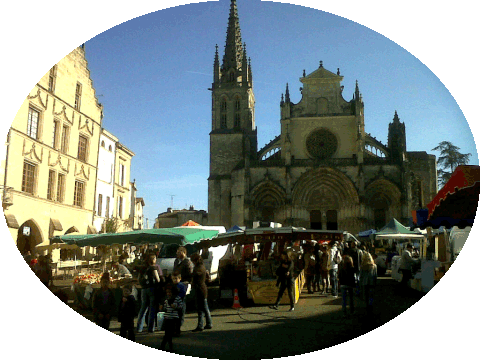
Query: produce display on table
(88,279)
(94,278)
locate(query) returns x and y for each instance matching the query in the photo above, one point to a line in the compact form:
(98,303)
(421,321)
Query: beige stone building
(173,218)
(123,189)
(324,171)
(115,193)
(50,169)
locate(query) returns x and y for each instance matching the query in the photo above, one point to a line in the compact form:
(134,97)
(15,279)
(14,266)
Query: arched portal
(268,199)
(328,196)
(384,199)
(29,235)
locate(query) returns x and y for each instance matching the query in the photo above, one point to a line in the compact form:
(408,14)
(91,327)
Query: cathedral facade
(323,171)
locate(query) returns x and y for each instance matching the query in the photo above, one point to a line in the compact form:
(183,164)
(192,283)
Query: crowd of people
(328,269)
(158,294)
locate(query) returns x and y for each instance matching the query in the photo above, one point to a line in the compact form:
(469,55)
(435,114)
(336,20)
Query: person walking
(200,287)
(317,277)
(346,276)
(309,260)
(149,280)
(368,281)
(356,254)
(334,258)
(324,269)
(285,279)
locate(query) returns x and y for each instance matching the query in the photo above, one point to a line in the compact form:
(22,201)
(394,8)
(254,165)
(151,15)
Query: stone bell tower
(233,139)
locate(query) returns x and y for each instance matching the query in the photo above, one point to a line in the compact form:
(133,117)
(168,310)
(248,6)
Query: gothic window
(61,188)
(223,105)
(223,121)
(237,120)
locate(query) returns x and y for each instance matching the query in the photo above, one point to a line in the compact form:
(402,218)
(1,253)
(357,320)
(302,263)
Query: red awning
(190,223)
(458,199)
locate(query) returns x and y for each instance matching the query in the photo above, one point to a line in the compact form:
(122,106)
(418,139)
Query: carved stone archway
(383,198)
(327,191)
(268,201)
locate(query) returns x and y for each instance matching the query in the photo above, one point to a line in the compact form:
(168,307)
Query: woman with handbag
(149,281)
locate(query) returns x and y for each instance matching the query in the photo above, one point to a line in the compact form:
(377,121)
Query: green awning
(146,236)
(395,230)
(395,227)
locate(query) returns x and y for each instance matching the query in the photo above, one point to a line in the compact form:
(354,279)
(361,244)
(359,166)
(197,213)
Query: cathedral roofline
(321,75)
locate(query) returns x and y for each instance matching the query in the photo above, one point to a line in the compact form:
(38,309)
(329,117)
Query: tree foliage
(450,157)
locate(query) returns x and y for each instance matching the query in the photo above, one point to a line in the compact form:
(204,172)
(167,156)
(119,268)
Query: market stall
(253,257)
(398,237)
(454,207)
(111,245)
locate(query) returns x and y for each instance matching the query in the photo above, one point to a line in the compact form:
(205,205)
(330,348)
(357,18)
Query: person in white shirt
(406,263)
(334,258)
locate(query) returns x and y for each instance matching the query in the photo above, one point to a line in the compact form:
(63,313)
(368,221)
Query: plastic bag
(160,317)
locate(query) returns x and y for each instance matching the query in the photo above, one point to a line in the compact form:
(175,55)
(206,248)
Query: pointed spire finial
(233,45)
(395,117)
(287,95)
(303,72)
(321,64)
(338,71)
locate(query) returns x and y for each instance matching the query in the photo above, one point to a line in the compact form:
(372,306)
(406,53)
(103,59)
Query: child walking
(172,304)
(126,313)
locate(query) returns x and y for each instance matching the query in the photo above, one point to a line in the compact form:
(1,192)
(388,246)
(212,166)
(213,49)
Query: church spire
(233,46)
(216,67)
(287,95)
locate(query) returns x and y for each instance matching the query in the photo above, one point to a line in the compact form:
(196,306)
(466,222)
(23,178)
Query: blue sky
(152,74)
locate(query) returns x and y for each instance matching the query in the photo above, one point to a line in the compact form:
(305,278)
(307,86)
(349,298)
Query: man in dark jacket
(356,255)
(183,265)
(285,280)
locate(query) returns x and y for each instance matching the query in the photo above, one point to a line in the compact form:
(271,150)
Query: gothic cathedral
(323,171)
